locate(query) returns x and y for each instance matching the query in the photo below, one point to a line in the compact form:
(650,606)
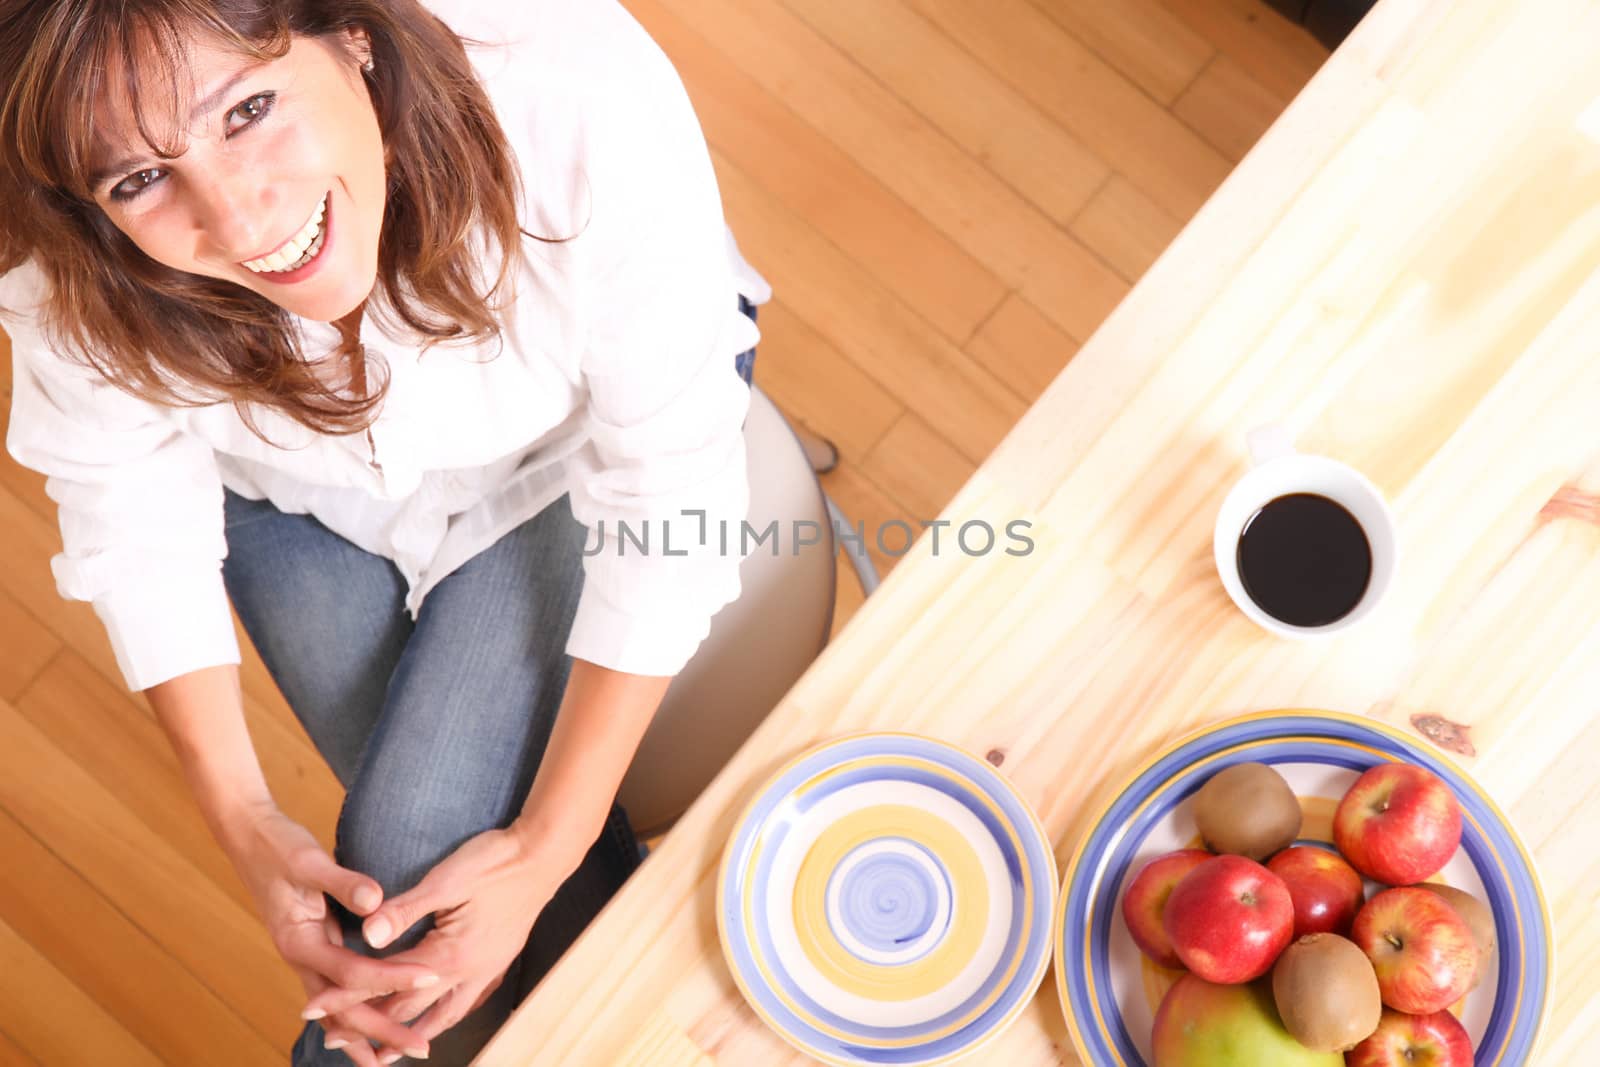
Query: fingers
(335,1000)
(427,969)
(356,1024)
(332,930)
(359,1052)
(404,1007)
(325,965)
(399,913)
(357,974)
(354,890)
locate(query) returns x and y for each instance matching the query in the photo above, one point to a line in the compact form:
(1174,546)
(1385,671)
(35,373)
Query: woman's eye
(244,115)
(135,183)
(250,111)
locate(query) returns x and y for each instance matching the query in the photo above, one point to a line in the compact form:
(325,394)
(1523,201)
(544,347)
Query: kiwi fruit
(1479,919)
(1248,810)
(1327,993)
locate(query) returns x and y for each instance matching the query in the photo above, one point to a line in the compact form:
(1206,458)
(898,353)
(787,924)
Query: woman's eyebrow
(214,99)
(116,168)
(209,103)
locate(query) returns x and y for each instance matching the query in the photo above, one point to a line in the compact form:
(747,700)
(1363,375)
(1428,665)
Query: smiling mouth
(298,250)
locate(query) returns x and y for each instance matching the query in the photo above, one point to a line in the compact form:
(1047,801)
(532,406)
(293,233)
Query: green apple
(1204,1025)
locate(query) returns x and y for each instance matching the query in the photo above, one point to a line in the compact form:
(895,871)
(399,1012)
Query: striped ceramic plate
(1109,992)
(887,898)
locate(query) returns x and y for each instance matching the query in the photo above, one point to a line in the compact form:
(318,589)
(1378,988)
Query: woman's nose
(233,210)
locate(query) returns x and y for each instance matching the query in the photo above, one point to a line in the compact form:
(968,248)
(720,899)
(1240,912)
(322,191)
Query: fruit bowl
(1108,990)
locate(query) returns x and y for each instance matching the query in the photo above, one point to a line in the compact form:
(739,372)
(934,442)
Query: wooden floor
(948,196)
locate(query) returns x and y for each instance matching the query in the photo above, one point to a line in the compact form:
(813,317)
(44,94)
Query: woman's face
(280,184)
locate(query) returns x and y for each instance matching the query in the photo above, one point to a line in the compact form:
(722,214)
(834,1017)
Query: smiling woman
(216,216)
(193,143)
(265,162)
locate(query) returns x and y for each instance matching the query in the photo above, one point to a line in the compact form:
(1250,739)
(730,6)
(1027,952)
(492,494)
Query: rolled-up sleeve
(666,406)
(139,505)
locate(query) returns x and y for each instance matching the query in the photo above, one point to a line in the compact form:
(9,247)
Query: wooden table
(1404,272)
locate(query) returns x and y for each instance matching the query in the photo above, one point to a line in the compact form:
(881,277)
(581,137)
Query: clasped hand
(484,898)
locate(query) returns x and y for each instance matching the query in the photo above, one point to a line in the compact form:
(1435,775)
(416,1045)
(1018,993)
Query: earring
(366,68)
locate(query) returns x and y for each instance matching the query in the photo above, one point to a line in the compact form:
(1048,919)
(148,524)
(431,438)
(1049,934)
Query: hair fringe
(180,339)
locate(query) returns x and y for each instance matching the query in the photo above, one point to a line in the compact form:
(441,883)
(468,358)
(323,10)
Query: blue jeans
(745,362)
(435,728)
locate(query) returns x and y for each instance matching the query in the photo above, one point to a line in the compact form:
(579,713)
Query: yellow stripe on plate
(969,904)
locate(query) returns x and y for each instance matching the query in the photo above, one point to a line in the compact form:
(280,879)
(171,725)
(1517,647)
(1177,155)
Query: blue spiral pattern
(889,895)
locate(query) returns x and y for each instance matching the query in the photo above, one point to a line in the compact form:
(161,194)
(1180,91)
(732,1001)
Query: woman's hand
(484,897)
(287,872)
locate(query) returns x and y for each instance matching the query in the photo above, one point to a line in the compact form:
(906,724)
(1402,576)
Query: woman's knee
(403,816)
(397,836)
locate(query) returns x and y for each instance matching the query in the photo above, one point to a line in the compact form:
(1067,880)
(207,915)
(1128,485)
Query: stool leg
(860,561)
(822,453)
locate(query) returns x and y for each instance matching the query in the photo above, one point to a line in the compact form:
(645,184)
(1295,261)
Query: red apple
(1422,950)
(1228,919)
(1327,892)
(1398,824)
(1436,1040)
(1479,919)
(1204,1025)
(1146,899)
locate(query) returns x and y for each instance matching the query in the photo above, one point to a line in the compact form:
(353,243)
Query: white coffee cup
(1278,470)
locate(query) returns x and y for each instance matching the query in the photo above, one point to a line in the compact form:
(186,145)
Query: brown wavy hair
(180,339)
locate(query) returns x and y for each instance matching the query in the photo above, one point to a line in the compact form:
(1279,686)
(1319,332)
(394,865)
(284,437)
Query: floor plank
(886,340)
(968,102)
(812,176)
(1126,227)
(28,647)
(1275,51)
(13,1054)
(905,152)
(92,830)
(918,469)
(1145,42)
(1018,344)
(1228,107)
(53,1020)
(820,387)
(99,727)
(111,960)
(1126,128)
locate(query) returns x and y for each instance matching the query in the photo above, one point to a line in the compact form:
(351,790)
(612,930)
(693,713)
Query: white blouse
(613,380)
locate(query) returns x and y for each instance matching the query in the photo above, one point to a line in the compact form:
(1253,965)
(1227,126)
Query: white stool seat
(758,646)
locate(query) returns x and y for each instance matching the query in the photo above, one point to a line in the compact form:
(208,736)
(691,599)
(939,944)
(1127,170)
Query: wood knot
(996,757)
(1571,502)
(1450,736)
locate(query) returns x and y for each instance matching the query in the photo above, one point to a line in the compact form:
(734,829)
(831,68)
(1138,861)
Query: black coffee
(1305,560)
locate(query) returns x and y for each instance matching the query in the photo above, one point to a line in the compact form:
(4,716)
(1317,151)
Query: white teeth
(297,250)
(316,246)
